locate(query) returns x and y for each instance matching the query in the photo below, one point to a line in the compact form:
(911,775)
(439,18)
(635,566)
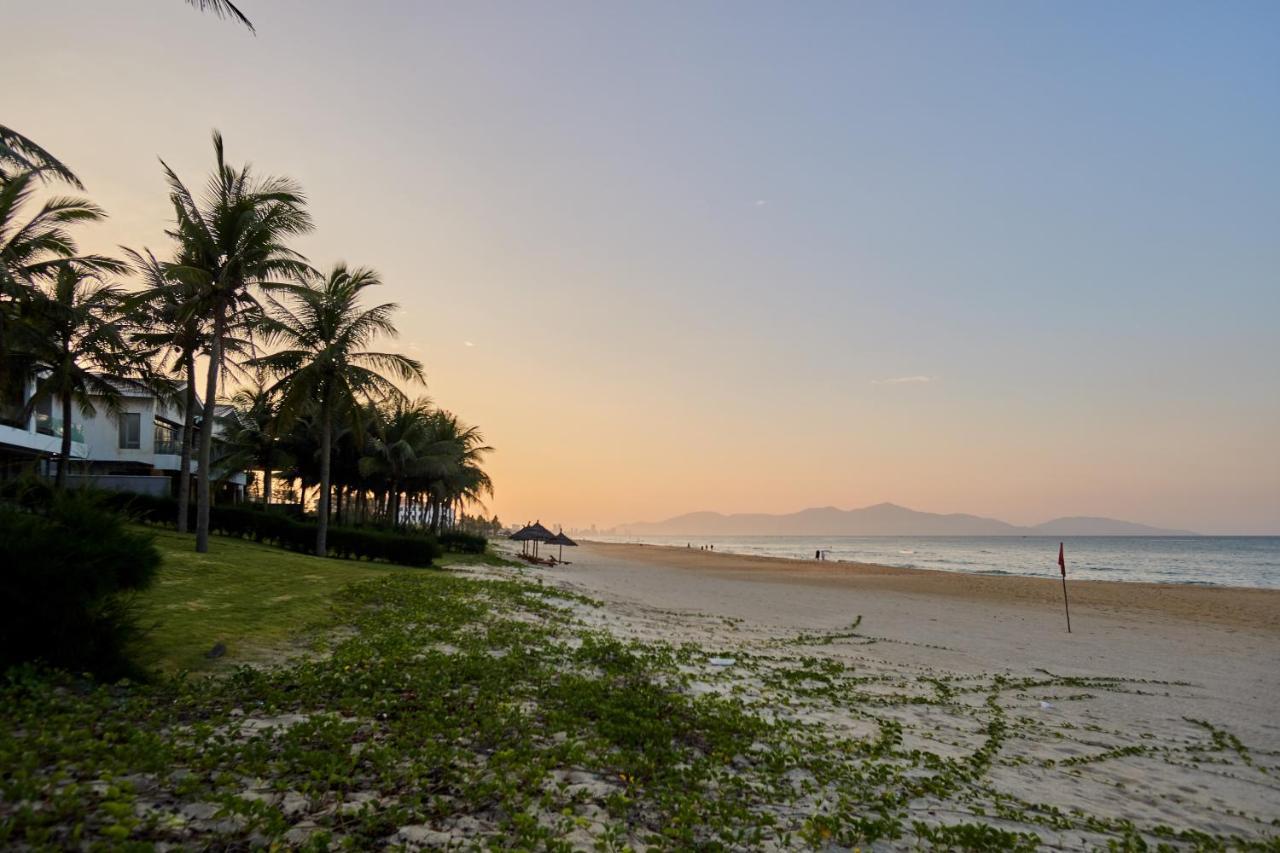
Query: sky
(1006,258)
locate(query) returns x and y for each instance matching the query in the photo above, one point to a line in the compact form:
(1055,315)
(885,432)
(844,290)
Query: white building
(137,448)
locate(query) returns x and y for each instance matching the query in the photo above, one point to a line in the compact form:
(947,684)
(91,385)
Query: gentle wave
(1240,561)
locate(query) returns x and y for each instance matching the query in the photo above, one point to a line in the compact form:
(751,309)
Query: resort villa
(137,448)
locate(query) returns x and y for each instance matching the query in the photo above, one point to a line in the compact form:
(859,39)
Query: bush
(278,528)
(68,571)
(267,526)
(463,543)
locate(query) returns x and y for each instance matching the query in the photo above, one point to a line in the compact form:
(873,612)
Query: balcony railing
(168,447)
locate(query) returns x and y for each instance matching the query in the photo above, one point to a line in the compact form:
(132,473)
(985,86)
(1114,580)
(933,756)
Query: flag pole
(1066,604)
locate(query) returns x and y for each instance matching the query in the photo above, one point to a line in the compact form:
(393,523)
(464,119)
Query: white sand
(1225,647)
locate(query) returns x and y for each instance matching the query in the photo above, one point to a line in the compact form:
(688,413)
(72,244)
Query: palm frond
(223,9)
(21,154)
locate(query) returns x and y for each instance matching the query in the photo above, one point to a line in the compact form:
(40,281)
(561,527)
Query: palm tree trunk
(266,487)
(435,513)
(322,511)
(206,432)
(188,424)
(64,455)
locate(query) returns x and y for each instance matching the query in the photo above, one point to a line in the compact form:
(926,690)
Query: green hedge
(68,569)
(450,540)
(463,543)
(267,526)
(277,528)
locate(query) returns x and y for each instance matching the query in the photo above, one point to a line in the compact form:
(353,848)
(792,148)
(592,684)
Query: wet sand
(1256,609)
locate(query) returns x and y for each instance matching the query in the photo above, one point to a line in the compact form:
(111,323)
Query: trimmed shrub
(267,526)
(463,543)
(68,571)
(278,528)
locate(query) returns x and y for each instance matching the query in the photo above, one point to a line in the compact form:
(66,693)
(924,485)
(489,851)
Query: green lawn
(254,599)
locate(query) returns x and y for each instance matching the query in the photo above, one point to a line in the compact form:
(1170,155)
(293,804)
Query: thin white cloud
(904,380)
(467,344)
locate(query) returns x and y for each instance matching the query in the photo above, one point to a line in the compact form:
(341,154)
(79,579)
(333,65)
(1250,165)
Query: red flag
(1062,562)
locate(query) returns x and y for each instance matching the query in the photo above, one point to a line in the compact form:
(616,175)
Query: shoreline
(1256,608)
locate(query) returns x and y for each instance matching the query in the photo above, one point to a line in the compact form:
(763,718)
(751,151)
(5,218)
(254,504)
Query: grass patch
(489,558)
(252,598)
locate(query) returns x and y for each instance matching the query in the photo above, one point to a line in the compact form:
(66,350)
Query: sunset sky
(1014,259)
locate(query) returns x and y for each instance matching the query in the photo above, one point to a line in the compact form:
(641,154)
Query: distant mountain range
(884,519)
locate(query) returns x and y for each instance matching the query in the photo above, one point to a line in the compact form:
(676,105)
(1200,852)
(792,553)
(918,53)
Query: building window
(44,417)
(130,431)
(167,439)
(12,398)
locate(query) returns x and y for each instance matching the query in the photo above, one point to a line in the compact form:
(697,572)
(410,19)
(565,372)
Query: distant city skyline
(1014,260)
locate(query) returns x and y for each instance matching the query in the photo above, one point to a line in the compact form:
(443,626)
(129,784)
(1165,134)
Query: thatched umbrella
(534,533)
(523,536)
(562,540)
(538,533)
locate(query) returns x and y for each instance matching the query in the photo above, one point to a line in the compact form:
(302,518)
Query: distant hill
(883,519)
(1083,525)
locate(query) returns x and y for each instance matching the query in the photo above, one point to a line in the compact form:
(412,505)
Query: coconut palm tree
(231,240)
(323,367)
(20,154)
(300,442)
(76,345)
(169,329)
(173,333)
(402,449)
(35,246)
(462,480)
(251,436)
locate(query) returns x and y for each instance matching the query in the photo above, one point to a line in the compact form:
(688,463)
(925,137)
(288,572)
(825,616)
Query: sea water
(1250,561)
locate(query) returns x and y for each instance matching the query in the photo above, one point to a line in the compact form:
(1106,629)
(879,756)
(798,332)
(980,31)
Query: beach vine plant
(444,710)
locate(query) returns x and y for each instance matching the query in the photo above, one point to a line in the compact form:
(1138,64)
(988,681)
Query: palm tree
(251,435)
(401,448)
(77,340)
(20,154)
(223,9)
(231,240)
(461,480)
(323,367)
(34,248)
(300,442)
(171,330)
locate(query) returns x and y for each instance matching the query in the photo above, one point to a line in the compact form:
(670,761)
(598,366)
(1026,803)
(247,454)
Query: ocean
(1241,561)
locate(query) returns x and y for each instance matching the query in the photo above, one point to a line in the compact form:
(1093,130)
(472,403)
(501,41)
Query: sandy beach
(1231,607)
(1159,709)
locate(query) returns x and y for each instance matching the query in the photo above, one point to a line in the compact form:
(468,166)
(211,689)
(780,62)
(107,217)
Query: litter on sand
(722,661)
(1046,706)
